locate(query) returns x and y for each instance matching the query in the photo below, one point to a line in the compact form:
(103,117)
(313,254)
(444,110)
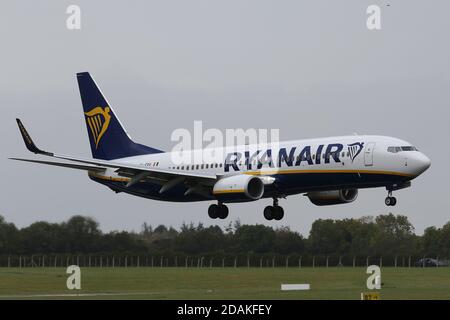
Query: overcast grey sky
(309,68)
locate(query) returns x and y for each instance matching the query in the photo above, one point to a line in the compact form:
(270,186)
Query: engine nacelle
(251,186)
(325,198)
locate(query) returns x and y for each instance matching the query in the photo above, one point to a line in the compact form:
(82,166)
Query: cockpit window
(409,148)
(394,149)
(404,148)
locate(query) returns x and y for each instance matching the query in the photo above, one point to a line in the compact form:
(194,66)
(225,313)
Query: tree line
(366,236)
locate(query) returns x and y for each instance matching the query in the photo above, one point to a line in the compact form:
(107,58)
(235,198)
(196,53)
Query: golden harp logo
(98,121)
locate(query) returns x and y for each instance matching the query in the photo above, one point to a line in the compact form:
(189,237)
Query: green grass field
(221,283)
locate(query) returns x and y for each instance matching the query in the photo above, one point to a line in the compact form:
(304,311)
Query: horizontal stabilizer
(63,164)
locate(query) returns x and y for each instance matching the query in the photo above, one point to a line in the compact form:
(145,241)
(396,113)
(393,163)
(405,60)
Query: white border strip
(301,286)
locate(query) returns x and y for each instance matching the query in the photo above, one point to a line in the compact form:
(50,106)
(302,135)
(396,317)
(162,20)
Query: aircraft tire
(213,211)
(279,213)
(390,201)
(394,201)
(223,212)
(269,212)
(387,201)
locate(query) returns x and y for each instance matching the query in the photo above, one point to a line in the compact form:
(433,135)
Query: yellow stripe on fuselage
(229,191)
(270,172)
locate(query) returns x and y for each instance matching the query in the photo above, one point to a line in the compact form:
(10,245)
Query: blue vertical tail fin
(107,136)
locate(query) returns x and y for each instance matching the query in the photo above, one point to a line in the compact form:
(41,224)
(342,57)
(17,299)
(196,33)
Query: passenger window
(207,165)
(220,165)
(197,167)
(217,165)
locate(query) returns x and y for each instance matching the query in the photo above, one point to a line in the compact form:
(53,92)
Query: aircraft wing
(136,173)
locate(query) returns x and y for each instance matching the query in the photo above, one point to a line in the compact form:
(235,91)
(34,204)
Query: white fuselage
(357,161)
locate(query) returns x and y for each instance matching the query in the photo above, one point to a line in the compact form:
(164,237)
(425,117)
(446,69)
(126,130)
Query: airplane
(328,171)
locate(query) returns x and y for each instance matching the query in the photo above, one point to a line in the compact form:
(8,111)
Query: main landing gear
(274,212)
(218,211)
(390,200)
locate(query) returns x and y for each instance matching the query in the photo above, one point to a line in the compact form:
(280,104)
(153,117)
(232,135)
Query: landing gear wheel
(269,212)
(223,211)
(387,201)
(390,201)
(394,201)
(213,211)
(279,213)
(273,213)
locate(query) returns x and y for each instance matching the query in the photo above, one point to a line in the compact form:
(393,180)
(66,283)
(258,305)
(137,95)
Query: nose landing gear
(274,212)
(390,200)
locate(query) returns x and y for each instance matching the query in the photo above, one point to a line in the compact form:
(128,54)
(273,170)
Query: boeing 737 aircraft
(327,170)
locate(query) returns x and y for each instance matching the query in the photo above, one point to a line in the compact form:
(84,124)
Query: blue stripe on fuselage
(286,184)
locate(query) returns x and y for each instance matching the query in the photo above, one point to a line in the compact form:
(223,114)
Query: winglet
(29,142)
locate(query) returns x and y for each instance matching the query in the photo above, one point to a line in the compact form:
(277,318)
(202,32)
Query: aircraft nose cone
(422,163)
(426,162)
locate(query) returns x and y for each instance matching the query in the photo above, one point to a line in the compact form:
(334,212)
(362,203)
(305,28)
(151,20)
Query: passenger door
(368,154)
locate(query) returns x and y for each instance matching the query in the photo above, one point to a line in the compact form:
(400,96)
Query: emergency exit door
(368,154)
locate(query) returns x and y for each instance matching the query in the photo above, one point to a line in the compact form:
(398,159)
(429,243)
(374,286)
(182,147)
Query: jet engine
(325,198)
(251,186)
